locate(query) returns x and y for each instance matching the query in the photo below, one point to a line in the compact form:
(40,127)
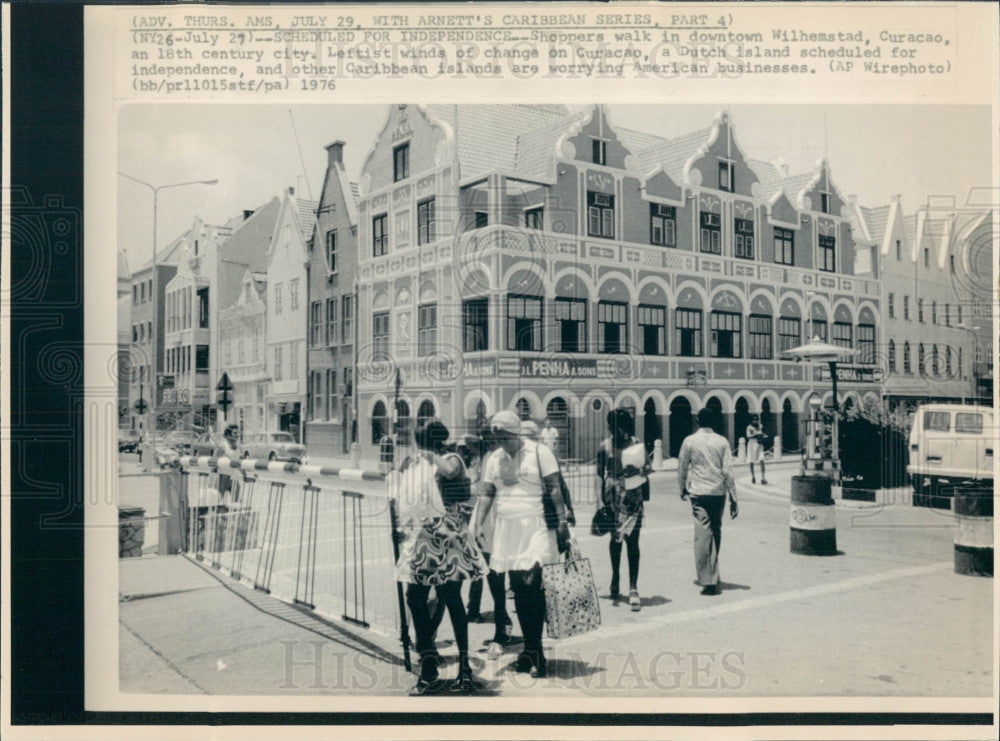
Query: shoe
(539,668)
(425,686)
(524,664)
(711,590)
(763,482)
(504,631)
(753,481)
(633,600)
(467,683)
(613,592)
(475,617)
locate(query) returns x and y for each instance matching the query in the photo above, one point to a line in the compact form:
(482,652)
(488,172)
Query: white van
(951,444)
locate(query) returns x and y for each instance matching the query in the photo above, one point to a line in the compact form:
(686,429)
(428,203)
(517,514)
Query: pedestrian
(227,446)
(755,448)
(436,550)
(480,449)
(550,436)
(519,476)
(705,473)
(623,468)
(529,430)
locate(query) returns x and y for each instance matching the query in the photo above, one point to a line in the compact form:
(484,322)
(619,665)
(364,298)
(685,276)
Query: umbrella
(821,351)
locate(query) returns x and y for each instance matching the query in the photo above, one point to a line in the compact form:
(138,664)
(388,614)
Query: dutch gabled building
(559,263)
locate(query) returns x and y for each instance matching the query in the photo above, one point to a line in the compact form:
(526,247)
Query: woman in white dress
(516,478)
(755,448)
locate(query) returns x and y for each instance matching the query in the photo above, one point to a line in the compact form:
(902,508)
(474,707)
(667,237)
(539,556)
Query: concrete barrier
(973,530)
(812,520)
(131,531)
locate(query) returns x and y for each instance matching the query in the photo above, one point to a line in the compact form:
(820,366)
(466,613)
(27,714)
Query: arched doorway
(789,428)
(741,417)
(652,430)
(425,411)
(380,422)
(480,422)
(403,422)
(557,412)
(767,418)
(523,408)
(681,423)
(718,421)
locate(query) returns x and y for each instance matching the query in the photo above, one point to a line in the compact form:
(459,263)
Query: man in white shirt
(550,435)
(705,473)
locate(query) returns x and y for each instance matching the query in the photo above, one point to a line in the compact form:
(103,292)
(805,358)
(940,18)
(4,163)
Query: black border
(47,677)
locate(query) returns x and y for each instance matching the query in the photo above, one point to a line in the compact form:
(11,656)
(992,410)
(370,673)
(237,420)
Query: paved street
(887,616)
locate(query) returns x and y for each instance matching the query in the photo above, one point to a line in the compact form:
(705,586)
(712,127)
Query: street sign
(224,400)
(141,406)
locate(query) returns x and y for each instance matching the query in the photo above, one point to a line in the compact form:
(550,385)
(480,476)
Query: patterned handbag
(571,605)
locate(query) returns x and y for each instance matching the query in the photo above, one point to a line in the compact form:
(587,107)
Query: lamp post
(156,326)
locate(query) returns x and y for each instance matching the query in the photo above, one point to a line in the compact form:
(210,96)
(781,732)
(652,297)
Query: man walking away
(550,436)
(705,473)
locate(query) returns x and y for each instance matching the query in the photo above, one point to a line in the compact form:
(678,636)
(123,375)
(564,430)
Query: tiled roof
(534,150)
(910,227)
(305,214)
(247,246)
(876,221)
(488,135)
(672,154)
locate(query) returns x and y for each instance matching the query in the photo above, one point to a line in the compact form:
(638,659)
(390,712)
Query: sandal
(633,600)
(467,683)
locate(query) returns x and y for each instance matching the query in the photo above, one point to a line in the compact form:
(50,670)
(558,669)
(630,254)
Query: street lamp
(156,326)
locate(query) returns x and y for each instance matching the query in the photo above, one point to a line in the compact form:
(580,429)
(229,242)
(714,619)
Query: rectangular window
(482,219)
(277,298)
(934,312)
(347,319)
(293,294)
(819,329)
(959,310)
(380,235)
(711,233)
(293,361)
(135,333)
(899,250)
(612,327)
(937,421)
(524,323)
(401,162)
(380,336)
(842,332)
(827,254)
(315,394)
(475,325)
(315,323)
(907,367)
(824,202)
(571,316)
(653,329)
(277,363)
(947,315)
(687,324)
(201,358)
(727,333)
(920,310)
(906,307)
(599,150)
(951,263)
(866,343)
(332,327)
(534,218)
(662,225)
(348,381)
(600,215)
(789,333)
(784,246)
(892,356)
(743,246)
(203,308)
(425,221)
(892,305)
(426,330)
(969,423)
(331,393)
(135,294)
(331,251)
(927,257)
(726,179)
(142,292)
(947,361)
(761,344)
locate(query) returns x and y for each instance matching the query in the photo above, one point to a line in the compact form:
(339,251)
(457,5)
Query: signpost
(225,399)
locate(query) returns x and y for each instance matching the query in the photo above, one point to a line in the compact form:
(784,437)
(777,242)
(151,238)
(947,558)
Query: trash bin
(131,531)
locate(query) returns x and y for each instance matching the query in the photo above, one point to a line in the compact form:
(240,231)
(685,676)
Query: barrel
(974,530)
(812,520)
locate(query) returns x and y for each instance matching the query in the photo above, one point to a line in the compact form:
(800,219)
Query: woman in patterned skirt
(436,549)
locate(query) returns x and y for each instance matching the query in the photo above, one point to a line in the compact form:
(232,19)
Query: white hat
(634,455)
(529,429)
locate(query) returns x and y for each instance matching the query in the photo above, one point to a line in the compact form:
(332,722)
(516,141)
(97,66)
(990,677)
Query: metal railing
(316,536)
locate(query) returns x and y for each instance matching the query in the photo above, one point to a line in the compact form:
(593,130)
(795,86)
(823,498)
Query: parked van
(950,444)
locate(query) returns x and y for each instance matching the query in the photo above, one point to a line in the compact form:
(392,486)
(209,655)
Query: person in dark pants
(624,488)
(518,475)
(436,551)
(705,473)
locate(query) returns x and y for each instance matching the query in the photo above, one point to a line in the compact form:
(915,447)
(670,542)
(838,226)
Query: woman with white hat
(518,477)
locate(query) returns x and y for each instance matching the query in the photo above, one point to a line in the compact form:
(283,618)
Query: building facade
(243,340)
(330,414)
(285,329)
(551,262)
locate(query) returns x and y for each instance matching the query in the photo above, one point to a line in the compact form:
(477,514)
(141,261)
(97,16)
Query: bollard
(974,530)
(812,521)
(131,531)
(355,455)
(776,450)
(657,455)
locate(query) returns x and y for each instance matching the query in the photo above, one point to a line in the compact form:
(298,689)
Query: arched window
(380,424)
(403,422)
(426,411)
(523,408)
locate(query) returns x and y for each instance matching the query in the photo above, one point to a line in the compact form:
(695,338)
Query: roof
(671,154)
(487,135)
(246,246)
(876,221)
(305,214)
(910,227)
(123,271)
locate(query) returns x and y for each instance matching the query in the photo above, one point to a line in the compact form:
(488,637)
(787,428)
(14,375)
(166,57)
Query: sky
(256,151)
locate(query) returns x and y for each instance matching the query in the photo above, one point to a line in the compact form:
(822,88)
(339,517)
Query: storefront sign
(555,368)
(479,369)
(853,373)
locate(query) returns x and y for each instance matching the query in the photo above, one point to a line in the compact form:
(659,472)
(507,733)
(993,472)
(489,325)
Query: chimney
(335,153)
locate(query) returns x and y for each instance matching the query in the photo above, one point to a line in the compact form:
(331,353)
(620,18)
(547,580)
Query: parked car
(128,441)
(204,445)
(273,446)
(951,444)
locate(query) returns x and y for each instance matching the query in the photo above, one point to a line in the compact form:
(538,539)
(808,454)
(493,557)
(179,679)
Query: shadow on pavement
(726,585)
